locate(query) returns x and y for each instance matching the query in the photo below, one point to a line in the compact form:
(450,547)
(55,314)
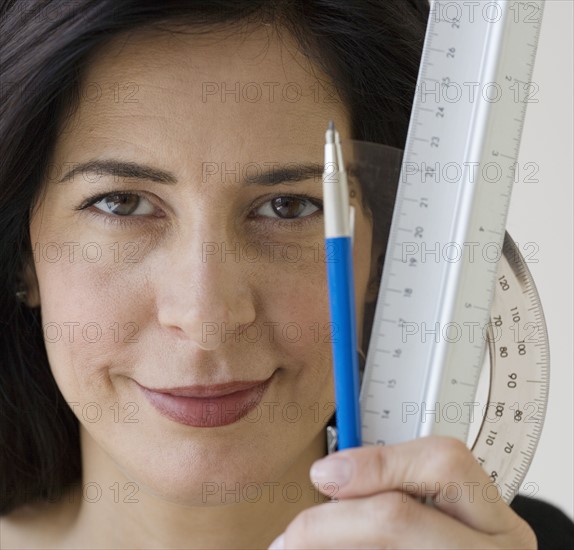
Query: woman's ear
(29,284)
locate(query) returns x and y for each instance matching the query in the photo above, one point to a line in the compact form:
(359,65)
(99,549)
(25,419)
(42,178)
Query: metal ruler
(434,317)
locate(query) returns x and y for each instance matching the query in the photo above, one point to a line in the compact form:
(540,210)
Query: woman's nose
(206,297)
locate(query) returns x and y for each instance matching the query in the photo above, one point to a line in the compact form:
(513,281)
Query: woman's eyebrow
(255,174)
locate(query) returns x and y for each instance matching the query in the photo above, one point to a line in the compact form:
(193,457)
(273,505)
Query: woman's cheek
(296,302)
(296,296)
(93,315)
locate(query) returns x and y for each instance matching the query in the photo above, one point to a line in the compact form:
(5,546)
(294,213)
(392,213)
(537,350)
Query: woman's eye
(287,207)
(124,204)
(124,207)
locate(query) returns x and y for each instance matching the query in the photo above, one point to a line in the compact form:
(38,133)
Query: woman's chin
(208,489)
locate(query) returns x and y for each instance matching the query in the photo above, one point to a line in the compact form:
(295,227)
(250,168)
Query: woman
(144,255)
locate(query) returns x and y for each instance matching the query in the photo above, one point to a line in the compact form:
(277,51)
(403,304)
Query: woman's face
(198,278)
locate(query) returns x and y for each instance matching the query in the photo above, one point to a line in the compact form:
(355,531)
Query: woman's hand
(377,490)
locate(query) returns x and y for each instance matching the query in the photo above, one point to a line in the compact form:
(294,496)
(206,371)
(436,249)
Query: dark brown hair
(370,49)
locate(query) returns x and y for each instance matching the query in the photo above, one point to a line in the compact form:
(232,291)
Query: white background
(543,213)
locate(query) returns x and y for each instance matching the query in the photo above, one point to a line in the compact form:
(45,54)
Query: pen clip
(343,179)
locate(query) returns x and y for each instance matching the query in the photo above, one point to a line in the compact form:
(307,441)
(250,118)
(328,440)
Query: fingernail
(277,544)
(335,469)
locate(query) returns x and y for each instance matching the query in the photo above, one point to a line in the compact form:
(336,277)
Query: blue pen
(339,260)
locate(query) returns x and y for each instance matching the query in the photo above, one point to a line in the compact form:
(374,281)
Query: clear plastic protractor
(512,393)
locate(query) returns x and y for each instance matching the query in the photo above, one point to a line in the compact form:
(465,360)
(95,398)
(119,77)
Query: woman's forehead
(230,87)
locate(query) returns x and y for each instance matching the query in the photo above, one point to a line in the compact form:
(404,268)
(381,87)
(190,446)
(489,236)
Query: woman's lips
(208,406)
